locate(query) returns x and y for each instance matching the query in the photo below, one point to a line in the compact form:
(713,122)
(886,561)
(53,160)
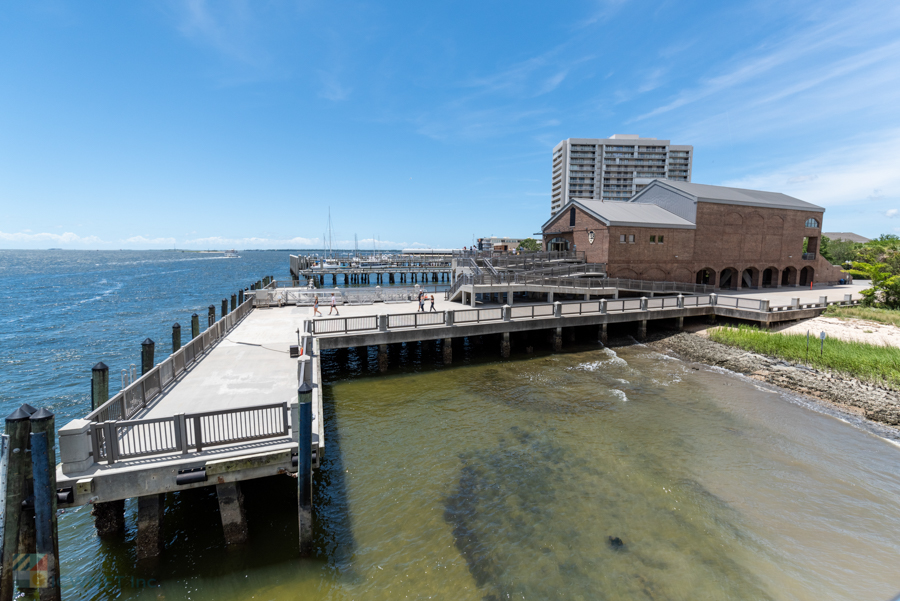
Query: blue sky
(238,124)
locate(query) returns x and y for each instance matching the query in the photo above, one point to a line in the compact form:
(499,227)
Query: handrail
(115,440)
(137,395)
(544,310)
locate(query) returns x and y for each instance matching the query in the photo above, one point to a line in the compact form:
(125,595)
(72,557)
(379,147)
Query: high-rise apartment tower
(616,168)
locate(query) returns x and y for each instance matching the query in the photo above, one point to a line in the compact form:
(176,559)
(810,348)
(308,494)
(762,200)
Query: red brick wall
(727,237)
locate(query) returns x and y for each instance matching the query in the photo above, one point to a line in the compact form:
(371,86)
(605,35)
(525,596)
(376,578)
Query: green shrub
(867,362)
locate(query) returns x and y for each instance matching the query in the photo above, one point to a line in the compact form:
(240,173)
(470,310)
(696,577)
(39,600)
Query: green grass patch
(878,364)
(868,313)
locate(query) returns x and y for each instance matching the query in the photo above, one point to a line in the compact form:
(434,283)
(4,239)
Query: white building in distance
(614,168)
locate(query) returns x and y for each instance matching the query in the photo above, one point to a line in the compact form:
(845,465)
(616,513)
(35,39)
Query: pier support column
(109,517)
(472,297)
(304,467)
(679,323)
(504,345)
(642,329)
(447,350)
(550,297)
(150,524)
(557,339)
(231,509)
(382,358)
(603,334)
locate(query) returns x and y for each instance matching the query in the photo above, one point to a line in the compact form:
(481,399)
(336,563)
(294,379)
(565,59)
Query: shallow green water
(512,480)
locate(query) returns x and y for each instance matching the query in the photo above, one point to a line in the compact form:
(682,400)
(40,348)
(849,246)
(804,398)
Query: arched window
(572,217)
(812,222)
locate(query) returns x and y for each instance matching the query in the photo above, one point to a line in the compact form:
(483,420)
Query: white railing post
(557,309)
(382,323)
(823,301)
(848,298)
(506,312)
(680,301)
(448,318)
(712,299)
(643,303)
(764,306)
(603,305)
(795,303)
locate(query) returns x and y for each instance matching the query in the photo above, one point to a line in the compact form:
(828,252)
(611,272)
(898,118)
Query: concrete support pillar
(472,298)
(109,517)
(447,350)
(557,339)
(679,323)
(550,297)
(642,329)
(382,358)
(509,297)
(795,303)
(603,334)
(587,296)
(823,300)
(848,298)
(150,541)
(504,345)
(231,509)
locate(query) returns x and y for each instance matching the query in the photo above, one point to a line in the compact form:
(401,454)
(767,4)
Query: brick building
(687,232)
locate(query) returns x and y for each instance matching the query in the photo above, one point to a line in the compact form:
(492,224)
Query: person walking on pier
(432,305)
(316,306)
(333,306)
(421,301)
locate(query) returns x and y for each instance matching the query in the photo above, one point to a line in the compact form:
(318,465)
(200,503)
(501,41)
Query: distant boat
(54,249)
(232,254)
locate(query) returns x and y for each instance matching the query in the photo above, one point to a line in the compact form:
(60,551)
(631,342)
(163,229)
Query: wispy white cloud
(859,172)
(150,241)
(891,213)
(332,89)
(844,31)
(220,242)
(66,238)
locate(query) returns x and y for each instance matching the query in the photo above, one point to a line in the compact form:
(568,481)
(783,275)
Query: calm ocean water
(488,479)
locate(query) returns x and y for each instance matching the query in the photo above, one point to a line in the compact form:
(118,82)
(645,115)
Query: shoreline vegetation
(875,364)
(875,402)
(876,314)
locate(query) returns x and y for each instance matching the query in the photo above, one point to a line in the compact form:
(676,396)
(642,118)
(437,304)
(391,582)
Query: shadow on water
(531,519)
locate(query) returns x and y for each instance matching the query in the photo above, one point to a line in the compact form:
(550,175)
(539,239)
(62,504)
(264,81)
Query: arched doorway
(558,244)
(750,278)
(789,276)
(706,276)
(728,278)
(769,277)
(807,275)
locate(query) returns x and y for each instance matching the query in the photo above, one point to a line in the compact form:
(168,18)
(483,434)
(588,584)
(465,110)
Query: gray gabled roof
(735,196)
(626,214)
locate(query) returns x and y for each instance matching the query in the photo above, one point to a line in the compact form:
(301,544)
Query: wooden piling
(43,460)
(176,336)
(18,429)
(304,467)
(557,340)
(210,315)
(233,302)
(195,326)
(504,345)
(99,384)
(642,329)
(603,334)
(224,307)
(147,349)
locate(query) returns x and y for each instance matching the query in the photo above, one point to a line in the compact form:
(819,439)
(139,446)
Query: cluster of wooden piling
(30,545)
